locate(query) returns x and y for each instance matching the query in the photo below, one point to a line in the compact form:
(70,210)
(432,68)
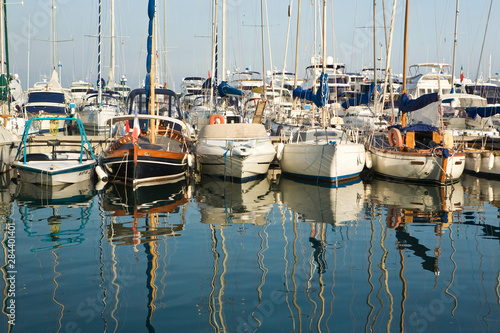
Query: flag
(461,74)
(312,2)
(136,130)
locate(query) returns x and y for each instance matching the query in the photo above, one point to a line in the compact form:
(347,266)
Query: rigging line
(484,39)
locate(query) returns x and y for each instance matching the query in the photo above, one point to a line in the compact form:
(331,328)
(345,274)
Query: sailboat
(321,153)
(49,99)
(157,147)
(99,106)
(421,150)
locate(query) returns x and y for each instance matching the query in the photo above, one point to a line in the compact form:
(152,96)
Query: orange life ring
(395,138)
(216,119)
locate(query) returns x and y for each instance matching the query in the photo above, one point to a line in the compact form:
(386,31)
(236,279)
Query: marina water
(261,256)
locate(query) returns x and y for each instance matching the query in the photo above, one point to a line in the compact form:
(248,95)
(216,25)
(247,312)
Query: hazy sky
(188,31)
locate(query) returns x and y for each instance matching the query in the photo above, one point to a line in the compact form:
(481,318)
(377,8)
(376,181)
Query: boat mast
(295,83)
(263,51)
(323,42)
(6,42)
(54,60)
(99,77)
(224,35)
(2,39)
(111,74)
(214,52)
(151,69)
(454,51)
(165,43)
(405,56)
(375,79)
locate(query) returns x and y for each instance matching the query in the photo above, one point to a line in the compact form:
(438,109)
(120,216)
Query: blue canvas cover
(359,100)
(321,96)
(226,90)
(409,105)
(484,111)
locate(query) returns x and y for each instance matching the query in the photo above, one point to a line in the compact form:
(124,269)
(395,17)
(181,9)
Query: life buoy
(216,119)
(395,138)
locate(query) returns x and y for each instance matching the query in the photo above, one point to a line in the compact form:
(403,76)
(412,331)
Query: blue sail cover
(409,105)
(321,96)
(486,111)
(362,99)
(226,90)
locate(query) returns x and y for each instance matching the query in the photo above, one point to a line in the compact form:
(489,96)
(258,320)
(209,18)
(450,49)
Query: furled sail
(361,99)
(320,98)
(149,57)
(225,90)
(483,112)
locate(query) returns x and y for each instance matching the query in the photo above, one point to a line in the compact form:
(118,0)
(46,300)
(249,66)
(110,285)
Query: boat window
(43,97)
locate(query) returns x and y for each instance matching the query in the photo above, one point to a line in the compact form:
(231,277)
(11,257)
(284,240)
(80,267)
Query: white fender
(190,161)
(101,174)
(477,162)
(279,151)
(368,159)
(491,161)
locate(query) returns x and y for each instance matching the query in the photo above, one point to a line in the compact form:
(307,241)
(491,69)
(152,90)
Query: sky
(188,26)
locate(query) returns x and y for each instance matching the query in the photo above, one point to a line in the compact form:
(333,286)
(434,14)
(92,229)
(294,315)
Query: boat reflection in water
(409,202)
(425,205)
(148,203)
(7,189)
(66,194)
(44,210)
(481,190)
(323,203)
(142,219)
(225,202)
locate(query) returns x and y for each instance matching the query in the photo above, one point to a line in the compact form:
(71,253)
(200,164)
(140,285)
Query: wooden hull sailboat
(157,148)
(158,152)
(419,149)
(420,153)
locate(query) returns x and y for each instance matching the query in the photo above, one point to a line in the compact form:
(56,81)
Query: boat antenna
(454,51)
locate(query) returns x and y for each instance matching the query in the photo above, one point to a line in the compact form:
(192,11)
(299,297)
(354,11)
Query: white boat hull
(418,167)
(323,162)
(245,159)
(54,172)
(486,163)
(9,144)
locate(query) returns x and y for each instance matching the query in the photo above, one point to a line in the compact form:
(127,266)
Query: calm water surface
(261,256)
